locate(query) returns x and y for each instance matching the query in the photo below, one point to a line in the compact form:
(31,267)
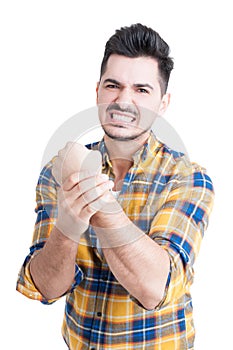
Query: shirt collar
(148,150)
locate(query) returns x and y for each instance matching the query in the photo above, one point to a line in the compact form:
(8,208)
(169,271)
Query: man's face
(129,97)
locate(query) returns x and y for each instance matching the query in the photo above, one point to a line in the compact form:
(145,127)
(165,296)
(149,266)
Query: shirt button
(99,314)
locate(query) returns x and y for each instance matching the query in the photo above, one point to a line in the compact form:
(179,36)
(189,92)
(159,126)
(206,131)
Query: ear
(164,103)
(97,89)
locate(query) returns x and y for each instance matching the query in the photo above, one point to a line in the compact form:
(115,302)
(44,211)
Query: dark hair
(138,41)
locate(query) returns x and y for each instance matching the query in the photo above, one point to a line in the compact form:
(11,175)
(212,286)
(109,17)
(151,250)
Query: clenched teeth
(122,118)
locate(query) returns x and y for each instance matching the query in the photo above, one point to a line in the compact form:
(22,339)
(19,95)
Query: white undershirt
(115,193)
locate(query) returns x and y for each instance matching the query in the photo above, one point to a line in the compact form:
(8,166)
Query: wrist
(62,238)
(122,233)
(110,220)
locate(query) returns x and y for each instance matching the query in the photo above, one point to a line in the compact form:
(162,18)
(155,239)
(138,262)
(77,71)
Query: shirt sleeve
(179,227)
(46,210)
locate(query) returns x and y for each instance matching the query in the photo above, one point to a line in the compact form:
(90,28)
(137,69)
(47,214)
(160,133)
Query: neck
(121,153)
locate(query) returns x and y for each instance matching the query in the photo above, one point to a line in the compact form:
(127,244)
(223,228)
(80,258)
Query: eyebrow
(113,81)
(139,85)
(144,85)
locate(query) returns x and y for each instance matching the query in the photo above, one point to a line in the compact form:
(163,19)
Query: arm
(144,275)
(139,264)
(63,214)
(142,263)
(53,269)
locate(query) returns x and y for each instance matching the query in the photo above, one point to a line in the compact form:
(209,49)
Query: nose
(124,96)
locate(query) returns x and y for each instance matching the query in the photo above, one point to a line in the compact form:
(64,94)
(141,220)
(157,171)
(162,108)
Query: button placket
(99,306)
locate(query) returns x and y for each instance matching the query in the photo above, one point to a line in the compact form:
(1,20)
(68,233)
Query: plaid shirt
(170,200)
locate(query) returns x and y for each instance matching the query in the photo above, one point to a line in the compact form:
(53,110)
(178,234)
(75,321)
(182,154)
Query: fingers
(93,207)
(72,180)
(88,194)
(80,177)
(91,196)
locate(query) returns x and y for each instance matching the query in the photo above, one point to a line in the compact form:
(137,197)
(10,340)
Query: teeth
(123,118)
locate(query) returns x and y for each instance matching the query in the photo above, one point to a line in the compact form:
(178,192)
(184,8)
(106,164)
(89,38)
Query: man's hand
(75,157)
(112,226)
(79,198)
(111,214)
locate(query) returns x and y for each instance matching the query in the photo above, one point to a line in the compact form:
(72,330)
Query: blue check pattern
(170,200)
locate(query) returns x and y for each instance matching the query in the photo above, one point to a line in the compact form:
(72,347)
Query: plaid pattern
(168,198)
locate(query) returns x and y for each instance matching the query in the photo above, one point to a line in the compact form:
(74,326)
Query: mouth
(122,118)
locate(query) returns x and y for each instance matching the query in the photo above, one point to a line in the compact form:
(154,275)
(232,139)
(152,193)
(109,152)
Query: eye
(143,91)
(112,86)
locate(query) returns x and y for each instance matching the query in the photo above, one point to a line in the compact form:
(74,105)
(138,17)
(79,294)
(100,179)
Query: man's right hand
(79,198)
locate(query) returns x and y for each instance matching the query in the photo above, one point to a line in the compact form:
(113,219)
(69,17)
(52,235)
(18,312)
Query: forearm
(140,265)
(53,268)
(142,269)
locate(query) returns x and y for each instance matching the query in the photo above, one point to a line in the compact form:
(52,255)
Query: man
(127,279)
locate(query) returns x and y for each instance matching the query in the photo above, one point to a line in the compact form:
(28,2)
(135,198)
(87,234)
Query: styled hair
(140,41)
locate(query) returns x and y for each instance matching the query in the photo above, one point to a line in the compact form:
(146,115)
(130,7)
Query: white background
(50,59)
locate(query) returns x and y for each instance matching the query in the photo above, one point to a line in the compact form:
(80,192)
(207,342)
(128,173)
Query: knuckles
(73,178)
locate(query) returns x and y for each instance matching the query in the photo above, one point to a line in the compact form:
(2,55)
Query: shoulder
(181,167)
(46,176)
(47,186)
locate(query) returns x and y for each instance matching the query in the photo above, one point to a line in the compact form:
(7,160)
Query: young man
(127,279)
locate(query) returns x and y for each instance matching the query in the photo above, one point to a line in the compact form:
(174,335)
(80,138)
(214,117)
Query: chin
(126,135)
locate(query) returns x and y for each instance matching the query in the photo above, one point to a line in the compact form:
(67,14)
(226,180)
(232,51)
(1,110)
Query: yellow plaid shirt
(169,199)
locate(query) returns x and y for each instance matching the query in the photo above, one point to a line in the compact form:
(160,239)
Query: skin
(132,84)
(53,269)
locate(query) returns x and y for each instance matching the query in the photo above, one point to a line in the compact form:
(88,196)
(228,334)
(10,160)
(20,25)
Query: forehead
(132,70)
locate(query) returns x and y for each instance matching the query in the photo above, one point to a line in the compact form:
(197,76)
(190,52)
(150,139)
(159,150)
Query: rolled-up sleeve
(46,210)
(179,227)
